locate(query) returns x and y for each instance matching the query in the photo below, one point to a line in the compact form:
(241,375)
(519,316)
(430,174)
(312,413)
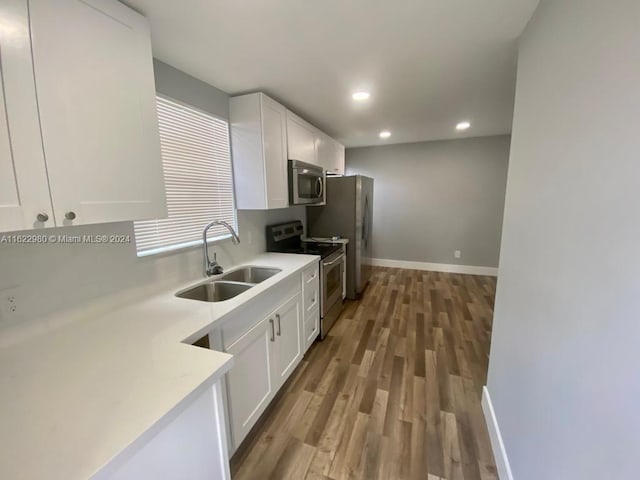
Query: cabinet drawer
(310,274)
(311,297)
(311,287)
(248,315)
(311,326)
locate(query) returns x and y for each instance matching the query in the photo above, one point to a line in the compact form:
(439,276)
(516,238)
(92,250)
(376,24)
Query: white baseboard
(499,452)
(435,267)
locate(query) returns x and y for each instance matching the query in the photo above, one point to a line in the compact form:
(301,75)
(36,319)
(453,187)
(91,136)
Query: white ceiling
(427,63)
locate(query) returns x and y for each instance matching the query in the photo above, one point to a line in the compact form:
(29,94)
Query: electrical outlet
(10,303)
(457,254)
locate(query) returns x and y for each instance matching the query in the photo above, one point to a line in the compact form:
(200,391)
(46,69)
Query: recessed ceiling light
(463,126)
(385,134)
(359,96)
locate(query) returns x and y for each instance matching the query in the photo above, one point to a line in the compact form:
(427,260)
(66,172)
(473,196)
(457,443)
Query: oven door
(332,278)
(306,184)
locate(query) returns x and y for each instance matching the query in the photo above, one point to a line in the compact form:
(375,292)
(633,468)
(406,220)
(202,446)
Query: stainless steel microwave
(306,183)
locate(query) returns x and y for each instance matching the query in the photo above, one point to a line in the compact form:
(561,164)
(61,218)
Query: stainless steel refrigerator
(348,213)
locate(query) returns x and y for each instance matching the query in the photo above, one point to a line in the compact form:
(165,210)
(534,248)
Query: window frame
(180,247)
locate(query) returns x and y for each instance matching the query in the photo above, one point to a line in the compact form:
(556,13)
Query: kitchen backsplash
(52,279)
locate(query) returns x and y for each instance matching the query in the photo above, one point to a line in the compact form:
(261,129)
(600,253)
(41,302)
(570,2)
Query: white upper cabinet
(259,147)
(90,141)
(301,140)
(96,94)
(264,136)
(24,190)
(10,208)
(330,154)
(337,167)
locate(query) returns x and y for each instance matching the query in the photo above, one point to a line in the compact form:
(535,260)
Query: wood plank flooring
(393,392)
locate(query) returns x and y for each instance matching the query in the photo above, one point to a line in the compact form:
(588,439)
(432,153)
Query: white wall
(433,198)
(55,277)
(564,367)
(58,278)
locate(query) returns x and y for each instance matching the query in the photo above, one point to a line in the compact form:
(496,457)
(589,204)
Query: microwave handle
(319,187)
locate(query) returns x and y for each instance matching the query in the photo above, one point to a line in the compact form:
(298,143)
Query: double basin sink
(228,285)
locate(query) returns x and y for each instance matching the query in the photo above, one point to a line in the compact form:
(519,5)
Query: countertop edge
(130,450)
(133,320)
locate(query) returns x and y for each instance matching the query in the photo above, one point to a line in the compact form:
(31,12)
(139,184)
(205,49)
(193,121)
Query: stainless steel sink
(229,285)
(250,274)
(216,291)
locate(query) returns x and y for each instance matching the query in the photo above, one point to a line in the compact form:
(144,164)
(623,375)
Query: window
(198,181)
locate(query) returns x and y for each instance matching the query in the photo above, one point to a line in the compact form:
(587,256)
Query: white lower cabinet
(310,304)
(267,349)
(289,351)
(311,328)
(264,357)
(250,383)
(192,445)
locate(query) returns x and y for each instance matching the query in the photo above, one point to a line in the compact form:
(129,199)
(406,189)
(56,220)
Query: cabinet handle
(42,217)
(279,326)
(70,215)
(273,335)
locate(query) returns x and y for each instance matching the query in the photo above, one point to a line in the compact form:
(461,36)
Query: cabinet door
(330,154)
(24,190)
(301,140)
(338,165)
(288,334)
(250,384)
(335,161)
(274,139)
(324,147)
(96,94)
(191,446)
(311,327)
(10,208)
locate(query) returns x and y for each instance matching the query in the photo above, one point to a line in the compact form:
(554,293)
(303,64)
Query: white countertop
(75,398)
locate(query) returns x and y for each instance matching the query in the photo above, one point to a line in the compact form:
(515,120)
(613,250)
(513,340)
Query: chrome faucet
(214,268)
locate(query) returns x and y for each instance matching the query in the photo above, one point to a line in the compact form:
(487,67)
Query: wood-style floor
(393,392)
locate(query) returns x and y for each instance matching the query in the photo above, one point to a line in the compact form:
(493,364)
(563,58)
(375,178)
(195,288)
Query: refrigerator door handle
(365,217)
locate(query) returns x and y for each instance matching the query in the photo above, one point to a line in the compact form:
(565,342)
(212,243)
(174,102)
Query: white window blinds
(198,181)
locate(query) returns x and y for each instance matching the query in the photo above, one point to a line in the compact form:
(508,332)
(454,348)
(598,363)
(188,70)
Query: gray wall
(176,84)
(57,278)
(564,367)
(433,198)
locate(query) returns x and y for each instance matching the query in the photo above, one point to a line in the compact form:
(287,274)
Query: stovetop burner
(286,238)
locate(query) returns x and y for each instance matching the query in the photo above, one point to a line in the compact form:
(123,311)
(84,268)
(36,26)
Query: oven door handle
(319,187)
(328,264)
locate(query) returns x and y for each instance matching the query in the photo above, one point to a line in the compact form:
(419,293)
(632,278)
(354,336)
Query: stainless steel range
(286,238)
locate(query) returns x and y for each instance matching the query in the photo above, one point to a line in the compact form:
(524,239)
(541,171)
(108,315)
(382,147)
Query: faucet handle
(216,270)
(214,267)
